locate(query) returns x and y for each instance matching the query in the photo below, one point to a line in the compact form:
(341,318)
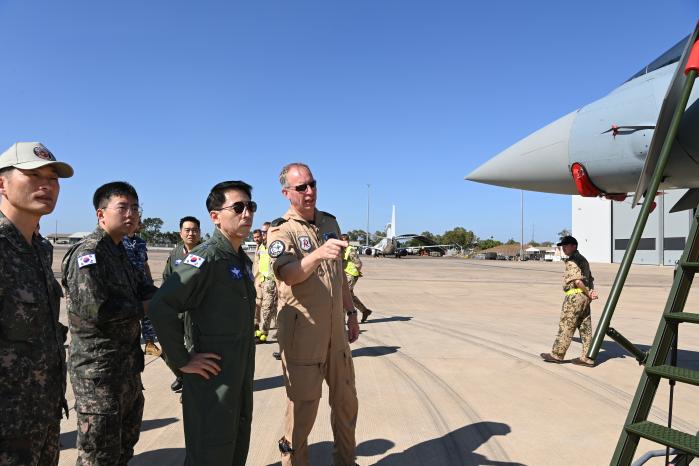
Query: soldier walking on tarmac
(353,269)
(578,285)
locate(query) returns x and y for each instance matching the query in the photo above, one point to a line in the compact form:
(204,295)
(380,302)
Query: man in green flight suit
(214,283)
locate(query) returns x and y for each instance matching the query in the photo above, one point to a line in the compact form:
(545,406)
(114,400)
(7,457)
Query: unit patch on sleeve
(305,243)
(86,259)
(276,249)
(194,260)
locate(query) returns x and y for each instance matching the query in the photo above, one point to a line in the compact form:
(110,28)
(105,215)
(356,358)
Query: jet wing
(662,127)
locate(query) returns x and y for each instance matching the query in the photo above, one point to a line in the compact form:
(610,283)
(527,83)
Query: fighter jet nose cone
(538,162)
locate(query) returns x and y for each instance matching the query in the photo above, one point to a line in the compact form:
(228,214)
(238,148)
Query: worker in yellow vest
(268,287)
(257,237)
(353,269)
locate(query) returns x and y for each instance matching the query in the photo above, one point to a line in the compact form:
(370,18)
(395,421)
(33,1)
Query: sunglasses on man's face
(303,187)
(239,207)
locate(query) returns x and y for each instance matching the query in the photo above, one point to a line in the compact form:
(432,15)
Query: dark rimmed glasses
(240,206)
(303,187)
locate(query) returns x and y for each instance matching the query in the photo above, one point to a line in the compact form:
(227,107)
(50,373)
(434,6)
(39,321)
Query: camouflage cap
(30,155)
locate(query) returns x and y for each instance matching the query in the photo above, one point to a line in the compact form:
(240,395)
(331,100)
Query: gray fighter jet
(602,148)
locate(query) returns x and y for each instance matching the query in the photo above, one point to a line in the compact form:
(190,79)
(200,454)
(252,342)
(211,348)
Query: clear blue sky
(408,96)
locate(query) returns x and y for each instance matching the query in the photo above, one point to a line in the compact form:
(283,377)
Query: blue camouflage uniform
(137,251)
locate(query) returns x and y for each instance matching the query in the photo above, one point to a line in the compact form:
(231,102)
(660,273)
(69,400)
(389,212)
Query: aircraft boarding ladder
(664,347)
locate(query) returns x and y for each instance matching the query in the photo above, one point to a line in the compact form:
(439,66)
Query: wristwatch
(351,312)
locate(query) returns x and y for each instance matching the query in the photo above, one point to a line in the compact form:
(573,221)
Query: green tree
(460,236)
(564,232)
(150,229)
(488,243)
(511,241)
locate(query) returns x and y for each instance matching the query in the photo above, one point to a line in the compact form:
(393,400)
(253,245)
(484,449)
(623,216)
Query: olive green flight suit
(214,284)
(313,339)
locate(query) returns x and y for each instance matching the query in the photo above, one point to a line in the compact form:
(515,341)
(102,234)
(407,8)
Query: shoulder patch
(325,213)
(86,259)
(278,221)
(276,249)
(194,260)
(305,243)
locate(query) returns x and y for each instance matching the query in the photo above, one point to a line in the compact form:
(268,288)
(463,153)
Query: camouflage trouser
(39,448)
(575,314)
(351,281)
(109,416)
(147,330)
(269,303)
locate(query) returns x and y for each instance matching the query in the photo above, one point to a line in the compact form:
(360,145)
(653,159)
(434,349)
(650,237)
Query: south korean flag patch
(86,259)
(305,243)
(194,260)
(275,249)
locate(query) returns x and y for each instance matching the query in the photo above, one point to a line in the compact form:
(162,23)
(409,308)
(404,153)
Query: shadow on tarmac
(68,439)
(267,383)
(388,319)
(374,351)
(455,448)
(611,350)
(161,456)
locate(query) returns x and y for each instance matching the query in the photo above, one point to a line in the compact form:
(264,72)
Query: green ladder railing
(665,344)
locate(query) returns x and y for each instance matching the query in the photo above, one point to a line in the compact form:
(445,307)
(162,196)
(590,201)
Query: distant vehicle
(250,246)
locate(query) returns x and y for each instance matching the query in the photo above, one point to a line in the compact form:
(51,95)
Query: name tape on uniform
(194,260)
(86,259)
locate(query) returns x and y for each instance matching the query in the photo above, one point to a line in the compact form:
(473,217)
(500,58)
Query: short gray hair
(289,166)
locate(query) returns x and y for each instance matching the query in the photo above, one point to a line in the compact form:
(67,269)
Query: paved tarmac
(448,372)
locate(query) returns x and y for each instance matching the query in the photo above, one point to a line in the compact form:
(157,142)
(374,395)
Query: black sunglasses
(303,187)
(239,207)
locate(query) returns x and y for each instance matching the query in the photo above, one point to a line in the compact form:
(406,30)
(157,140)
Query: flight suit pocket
(304,382)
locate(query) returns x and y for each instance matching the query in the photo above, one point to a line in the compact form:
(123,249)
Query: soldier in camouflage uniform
(32,356)
(578,286)
(352,266)
(137,250)
(106,297)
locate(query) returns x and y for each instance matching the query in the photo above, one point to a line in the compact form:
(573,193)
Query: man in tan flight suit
(314,301)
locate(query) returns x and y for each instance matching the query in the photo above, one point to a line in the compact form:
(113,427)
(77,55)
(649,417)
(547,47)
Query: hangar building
(603,228)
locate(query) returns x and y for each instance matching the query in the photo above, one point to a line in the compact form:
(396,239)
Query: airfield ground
(448,372)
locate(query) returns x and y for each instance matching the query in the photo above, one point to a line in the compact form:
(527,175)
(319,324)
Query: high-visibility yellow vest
(350,268)
(264,268)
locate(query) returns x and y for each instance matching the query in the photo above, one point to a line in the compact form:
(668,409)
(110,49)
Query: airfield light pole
(521,242)
(368,186)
